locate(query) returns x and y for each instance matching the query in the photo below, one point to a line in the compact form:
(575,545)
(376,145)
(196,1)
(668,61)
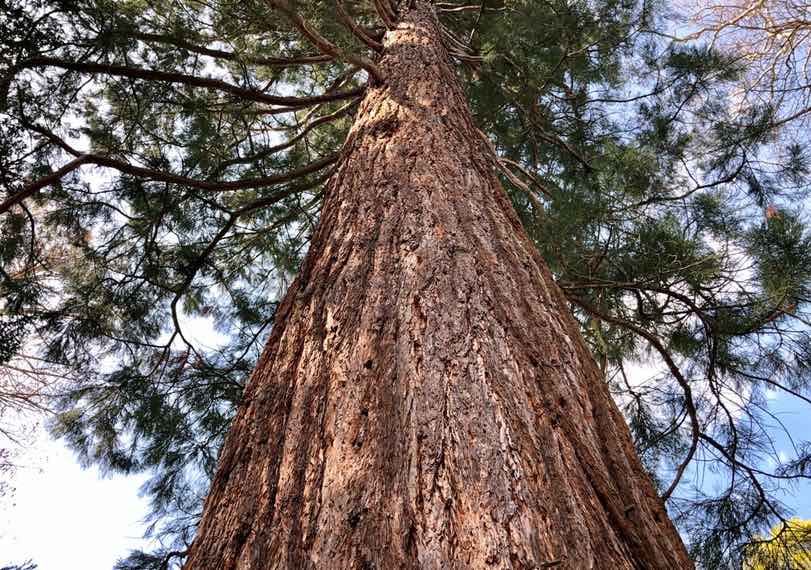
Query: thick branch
(231,56)
(350,24)
(191,80)
(385,14)
(148,173)
(322,43)
(31,188)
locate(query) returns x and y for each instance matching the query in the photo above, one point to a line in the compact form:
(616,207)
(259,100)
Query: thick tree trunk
(425,400)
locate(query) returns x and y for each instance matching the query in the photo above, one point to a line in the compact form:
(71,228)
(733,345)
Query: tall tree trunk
(425,399)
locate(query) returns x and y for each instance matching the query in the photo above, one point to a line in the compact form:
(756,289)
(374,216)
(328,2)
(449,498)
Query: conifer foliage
(162,164)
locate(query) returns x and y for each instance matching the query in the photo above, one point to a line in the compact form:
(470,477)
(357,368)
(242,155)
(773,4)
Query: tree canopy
(162,164)
(772,37)
(787,546)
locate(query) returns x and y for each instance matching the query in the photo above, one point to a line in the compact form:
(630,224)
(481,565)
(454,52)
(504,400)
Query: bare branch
(774,38)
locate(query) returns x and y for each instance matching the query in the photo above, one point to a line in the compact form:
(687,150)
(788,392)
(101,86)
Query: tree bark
(425,399)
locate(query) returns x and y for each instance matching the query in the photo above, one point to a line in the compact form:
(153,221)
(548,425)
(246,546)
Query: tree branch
(281,146)
(385,14)
(191,80)
(352,26)
(230,56)
(192,269)
(32,187)
(323,43)
(674,369)
(127,168)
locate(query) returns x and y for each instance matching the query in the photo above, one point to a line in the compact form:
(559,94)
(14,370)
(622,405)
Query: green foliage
(12,336)
(781,250)
(669,217)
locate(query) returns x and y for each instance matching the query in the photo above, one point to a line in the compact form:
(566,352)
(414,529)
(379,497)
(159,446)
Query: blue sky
(796,416)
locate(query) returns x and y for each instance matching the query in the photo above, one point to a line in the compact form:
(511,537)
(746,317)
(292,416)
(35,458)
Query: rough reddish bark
(425,399)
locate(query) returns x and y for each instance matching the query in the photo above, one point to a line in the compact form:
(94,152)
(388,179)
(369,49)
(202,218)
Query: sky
(64,517)
(796,416)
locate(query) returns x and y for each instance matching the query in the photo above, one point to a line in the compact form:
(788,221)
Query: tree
(225,130)
(405,407)
(788,546)
(25,389)
(774,38)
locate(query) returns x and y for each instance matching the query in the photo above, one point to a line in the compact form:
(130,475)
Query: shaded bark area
(425,399)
